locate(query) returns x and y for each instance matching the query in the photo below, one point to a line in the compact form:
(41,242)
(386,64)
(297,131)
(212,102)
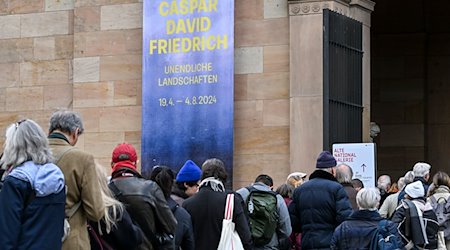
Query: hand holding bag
(229,239)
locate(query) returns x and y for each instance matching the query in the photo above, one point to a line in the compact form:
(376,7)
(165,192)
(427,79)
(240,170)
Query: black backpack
(263,215)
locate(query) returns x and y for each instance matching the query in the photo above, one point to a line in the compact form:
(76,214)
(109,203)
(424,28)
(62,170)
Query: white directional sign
(361,158)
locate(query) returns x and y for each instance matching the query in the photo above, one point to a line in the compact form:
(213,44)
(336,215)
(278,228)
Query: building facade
(86,55)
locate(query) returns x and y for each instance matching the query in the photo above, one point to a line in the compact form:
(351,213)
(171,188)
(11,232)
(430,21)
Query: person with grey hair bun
(357,231)
(83,187)
(33,195)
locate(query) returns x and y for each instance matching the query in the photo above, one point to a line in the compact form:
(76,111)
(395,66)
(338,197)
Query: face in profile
(191,190)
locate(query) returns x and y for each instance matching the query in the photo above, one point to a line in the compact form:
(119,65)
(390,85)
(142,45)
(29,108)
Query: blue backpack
(382,239)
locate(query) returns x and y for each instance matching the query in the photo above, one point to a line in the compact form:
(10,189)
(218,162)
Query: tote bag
(229,239)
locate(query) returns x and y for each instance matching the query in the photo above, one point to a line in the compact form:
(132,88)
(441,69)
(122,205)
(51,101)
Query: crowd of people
(55,196)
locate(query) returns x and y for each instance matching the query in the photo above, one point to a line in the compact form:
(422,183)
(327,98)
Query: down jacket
(318,207)
(357,231)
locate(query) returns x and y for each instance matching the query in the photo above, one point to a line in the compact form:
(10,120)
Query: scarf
(213,183)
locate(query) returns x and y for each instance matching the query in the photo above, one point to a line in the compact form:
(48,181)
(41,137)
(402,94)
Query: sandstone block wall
(85,55)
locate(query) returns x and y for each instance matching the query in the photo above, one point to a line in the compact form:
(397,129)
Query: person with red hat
(144,200)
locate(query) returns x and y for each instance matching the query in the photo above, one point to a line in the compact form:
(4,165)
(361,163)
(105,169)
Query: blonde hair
(293,179)
(113,208)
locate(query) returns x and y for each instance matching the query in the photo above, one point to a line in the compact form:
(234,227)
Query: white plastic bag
(229,239)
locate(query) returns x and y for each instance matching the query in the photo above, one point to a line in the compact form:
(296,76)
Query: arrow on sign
(363,167)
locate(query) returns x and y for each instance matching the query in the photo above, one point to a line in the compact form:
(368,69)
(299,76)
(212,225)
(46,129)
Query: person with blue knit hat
(186,182)
(319,205)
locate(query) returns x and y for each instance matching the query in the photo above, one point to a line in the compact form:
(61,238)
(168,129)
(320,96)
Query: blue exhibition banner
(187,82)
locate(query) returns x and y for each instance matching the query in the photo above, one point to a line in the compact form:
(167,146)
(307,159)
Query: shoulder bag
(229,238)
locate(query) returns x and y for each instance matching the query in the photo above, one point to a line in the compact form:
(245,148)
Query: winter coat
(184,234)
(124,235)
(318,207)
(424,183)
(145,203)
(207,209)
(82,185)
(178,195)
(441,192)
(32,208)
(389,205)
(357,231)
(410,226)
(284,228)
(351,193)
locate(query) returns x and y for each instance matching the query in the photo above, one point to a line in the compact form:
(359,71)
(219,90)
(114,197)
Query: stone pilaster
(306,74)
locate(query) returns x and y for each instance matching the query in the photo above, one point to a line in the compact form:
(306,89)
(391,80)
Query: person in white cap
(417,221)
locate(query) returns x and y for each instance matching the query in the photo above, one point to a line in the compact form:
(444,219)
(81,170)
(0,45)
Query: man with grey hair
(422,173)
(319,205)
(83,187)
(344,175)
(384,184)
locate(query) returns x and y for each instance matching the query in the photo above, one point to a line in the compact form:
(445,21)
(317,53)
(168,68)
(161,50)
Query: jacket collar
(57,135)
(125,172)
(365,215)
(322,175)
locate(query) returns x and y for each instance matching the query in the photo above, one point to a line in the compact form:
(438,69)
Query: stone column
(306,74)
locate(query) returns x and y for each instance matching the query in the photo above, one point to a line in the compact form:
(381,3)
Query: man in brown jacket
(83,187)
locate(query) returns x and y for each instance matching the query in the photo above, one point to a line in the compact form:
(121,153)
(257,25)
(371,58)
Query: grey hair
(401,183)
(344,173)
(66,121)
(409,177)
(368,198)
(421,169)
(25,141)
(384,181)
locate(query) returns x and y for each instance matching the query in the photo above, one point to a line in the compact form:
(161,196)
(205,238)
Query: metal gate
(342,79)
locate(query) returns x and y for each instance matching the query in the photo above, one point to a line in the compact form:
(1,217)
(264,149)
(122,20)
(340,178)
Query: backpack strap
(117,193)
(72,210)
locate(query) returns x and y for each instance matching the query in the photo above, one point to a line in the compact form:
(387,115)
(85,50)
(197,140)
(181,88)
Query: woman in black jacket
(184,236)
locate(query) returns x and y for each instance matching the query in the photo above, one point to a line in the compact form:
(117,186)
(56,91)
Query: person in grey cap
(319,205)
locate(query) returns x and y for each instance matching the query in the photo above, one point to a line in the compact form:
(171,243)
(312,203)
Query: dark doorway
(410,84)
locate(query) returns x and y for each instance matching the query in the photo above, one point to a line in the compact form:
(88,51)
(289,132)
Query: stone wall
(85,55)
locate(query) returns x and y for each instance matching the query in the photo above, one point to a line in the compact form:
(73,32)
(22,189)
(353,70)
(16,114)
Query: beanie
(124,152)
(189,172)
(415,189)
(325,160)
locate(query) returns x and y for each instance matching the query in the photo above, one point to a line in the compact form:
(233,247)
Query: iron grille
(342,75)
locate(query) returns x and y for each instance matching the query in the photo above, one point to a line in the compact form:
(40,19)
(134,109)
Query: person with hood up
(33,196)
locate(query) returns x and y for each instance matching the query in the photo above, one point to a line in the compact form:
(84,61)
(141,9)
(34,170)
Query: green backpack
(263,215)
